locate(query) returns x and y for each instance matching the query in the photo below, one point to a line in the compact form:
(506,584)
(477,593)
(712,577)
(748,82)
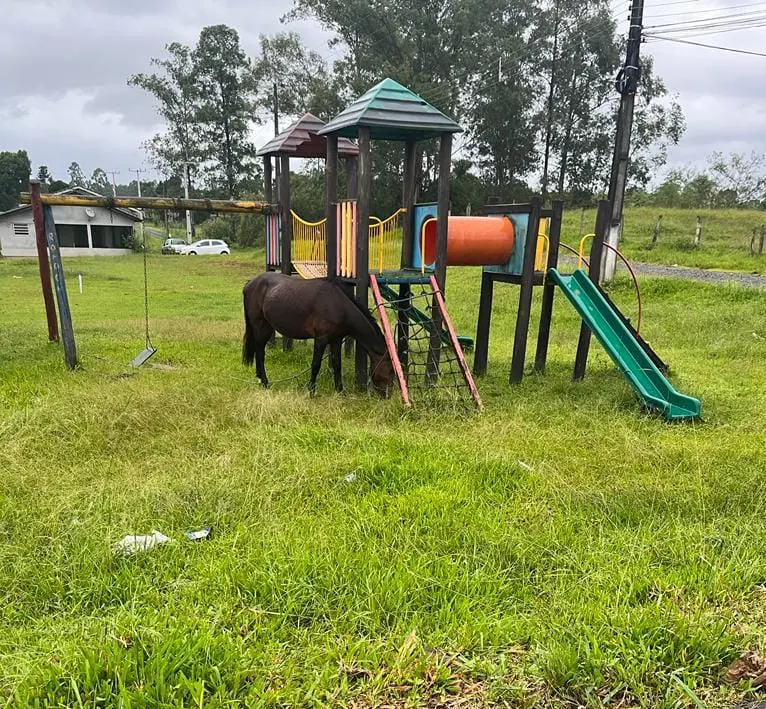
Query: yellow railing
(308,239)
(581,250)
(543,244)
(386,242)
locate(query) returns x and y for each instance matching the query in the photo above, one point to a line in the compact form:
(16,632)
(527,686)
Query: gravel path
(690,274)
(700,274)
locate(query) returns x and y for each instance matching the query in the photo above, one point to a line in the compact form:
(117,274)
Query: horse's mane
(366,313)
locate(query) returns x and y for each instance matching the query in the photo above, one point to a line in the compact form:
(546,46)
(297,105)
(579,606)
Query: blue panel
(421,212)
(516,263)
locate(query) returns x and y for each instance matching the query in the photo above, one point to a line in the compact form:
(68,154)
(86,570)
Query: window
(204,243)
(21,229)
(72,235)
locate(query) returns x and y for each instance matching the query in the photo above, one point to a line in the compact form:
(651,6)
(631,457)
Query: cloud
(64,66)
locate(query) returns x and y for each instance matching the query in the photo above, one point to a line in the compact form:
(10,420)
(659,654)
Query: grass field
(562,548)
(725,242)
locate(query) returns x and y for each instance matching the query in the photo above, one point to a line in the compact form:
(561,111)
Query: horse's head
(382,374)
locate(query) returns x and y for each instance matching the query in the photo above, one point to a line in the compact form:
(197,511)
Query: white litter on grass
(350,477)
(526,466)
(139,542)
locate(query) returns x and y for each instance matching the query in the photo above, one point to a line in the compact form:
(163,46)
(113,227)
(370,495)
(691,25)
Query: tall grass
(561,548)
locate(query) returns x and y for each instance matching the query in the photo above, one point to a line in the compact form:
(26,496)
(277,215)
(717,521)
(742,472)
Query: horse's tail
(248,341)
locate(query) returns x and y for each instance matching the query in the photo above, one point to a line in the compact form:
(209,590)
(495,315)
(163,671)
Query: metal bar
(65,314)
(455,344)
(362,250)
(171,203)
(42,261)
(390,345)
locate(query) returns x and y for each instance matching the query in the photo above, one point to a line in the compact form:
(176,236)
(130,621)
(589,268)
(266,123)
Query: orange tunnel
(472,241)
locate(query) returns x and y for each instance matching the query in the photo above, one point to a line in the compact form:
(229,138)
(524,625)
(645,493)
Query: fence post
(698,233)
(657,231)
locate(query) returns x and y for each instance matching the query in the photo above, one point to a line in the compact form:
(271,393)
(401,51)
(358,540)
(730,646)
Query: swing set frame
(49,255)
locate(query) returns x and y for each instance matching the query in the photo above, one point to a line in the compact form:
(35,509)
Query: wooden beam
(268,188)
(481,347)
(171,203)
(287,226)
(603,219)
(67,331)
(408,202)
(549,289)
(363,244)
(352,182)
(42,261)
(331,198)
(524,311)
(445,164)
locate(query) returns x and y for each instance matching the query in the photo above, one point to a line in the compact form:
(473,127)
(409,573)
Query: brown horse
(311,309)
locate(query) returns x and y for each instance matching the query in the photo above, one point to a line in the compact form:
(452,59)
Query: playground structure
(403,259)
(514,243)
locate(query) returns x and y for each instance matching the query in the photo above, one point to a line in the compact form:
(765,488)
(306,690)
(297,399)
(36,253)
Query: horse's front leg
(316,363)
(335,363)
(260,363)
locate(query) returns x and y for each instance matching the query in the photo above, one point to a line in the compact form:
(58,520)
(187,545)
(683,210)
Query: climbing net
(432,367)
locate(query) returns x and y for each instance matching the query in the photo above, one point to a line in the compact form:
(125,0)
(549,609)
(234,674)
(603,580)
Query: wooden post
(445,162)
(331,198)
(403,325)
(42,261)
(268,187)
(362,244)
(67,332)
(440,269)
(352,183)
(549,289)
(408,202)
(481,347)
(286,227)
(698,233)
(525,295)
(594,271)
(657,230)
(761,238)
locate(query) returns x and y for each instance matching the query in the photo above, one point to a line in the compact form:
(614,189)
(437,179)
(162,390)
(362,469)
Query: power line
(699,12)
(707,46)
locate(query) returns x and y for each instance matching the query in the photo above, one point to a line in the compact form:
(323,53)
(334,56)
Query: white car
(206,246)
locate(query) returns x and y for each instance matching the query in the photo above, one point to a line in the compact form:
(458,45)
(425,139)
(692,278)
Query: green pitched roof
(391,112)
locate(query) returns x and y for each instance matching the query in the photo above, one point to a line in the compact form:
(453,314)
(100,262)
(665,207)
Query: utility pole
(138,182)
(114,183)
(626,84)
(186,194)
(549,120)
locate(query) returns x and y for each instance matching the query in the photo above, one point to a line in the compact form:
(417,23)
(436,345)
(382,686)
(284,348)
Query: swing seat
(143,356)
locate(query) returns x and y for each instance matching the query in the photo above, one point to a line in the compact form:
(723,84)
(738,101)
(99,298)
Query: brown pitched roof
(301,140)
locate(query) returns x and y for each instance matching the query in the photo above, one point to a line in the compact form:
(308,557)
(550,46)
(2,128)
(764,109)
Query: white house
(82,231)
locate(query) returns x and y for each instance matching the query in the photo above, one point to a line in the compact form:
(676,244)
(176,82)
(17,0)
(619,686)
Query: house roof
(133,214)
(391,112)
(301,140)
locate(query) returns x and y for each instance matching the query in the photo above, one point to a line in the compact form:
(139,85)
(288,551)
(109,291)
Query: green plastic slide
(646,379)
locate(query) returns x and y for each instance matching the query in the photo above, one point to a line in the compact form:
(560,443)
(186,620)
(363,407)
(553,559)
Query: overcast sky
(64,65)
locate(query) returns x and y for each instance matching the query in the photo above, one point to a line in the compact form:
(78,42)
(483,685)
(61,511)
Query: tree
(76,176)
(743,176)
(99,182)
(15,169)
(178,103)
(299,76)
(226,108)
(58,186)
(43,175)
